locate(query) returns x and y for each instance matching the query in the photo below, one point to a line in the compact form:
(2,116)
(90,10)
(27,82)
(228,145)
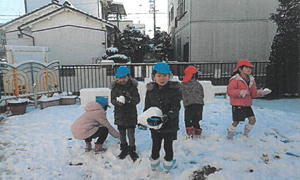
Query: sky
(137,10)
(40,145)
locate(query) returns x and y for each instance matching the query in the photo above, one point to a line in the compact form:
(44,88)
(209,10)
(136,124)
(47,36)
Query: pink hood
(87,124)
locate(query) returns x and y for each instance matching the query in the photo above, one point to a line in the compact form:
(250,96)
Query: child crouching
(94,124)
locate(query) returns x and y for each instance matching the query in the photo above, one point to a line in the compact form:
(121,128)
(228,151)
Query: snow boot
(124,151)
(99,148)
(190,132)
(155,168)
(132,152)
(168,165)
(198,133)
(247,129)
(231,131)
(88,146)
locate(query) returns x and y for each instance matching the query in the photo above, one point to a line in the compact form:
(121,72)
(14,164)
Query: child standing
(125,97)
(192,96)
(94,124)
(241,90)
(165,95)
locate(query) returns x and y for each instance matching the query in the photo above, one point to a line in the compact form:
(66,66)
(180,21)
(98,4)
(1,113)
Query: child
(242,89)
(165,95)
(94,124)
(125,97)
(192,96)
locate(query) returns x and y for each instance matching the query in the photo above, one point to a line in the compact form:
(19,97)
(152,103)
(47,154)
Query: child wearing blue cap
(94,124)
(125,97)
(165,95)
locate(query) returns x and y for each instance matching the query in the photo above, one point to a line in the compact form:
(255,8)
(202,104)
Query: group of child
(165,95)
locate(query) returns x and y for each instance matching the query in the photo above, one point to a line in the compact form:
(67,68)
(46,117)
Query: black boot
(124,151)
(132,152)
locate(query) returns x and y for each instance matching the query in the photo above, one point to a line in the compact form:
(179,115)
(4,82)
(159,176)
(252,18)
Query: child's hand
(264,92)
(127,97)
(243,93)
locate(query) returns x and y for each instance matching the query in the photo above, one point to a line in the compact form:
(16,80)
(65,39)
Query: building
(221,31)
(73,36)
(96,8)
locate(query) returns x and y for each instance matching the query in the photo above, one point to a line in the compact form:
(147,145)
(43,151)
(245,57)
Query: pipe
(33,41)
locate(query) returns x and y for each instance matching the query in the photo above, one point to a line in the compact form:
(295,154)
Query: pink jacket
(87,124)
(237,83)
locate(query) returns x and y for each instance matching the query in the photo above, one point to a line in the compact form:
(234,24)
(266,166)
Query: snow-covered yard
(39,145)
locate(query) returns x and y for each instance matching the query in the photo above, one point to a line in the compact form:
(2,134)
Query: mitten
(154,121)
(141,127)
(120,99)
(243,93)
(264,92)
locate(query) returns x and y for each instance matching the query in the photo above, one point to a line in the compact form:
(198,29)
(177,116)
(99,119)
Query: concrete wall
(227,30)
(89,94)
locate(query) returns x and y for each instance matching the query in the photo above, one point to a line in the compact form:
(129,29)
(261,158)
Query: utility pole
(25,5)
(153,10)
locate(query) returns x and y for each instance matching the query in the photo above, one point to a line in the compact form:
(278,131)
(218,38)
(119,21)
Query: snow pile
(40,145)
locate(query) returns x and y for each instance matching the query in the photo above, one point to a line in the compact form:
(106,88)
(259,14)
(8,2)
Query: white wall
(72,38)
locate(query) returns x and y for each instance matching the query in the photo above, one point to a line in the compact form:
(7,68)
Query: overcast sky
(137,10)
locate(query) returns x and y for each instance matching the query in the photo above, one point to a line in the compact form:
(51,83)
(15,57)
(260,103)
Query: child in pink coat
(241,90)
(94,124)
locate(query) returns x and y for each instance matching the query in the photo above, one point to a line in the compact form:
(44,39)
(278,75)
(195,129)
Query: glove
(243,93)
(121,100)
(127,97)
(141,127)
(264,92)
(154,121)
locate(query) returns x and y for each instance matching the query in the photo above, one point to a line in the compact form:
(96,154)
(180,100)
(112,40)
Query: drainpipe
(190,39)
(33,42)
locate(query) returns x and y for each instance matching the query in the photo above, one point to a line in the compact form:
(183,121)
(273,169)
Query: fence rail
(76,77)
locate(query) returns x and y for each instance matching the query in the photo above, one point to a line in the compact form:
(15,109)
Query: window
(171,15)
(180,9)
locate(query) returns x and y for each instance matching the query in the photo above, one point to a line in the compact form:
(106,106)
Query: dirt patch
(204,172)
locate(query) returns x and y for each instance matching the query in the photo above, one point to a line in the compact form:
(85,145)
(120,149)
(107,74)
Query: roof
(32,12)
(64,7)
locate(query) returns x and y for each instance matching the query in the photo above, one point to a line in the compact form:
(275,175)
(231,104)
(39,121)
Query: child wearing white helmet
(165,95)
(125,97)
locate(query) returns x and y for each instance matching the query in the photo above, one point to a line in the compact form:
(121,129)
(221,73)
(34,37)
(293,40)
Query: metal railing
(76,77)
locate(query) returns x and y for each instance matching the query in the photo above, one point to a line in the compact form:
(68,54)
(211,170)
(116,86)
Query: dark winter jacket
(192,93)
(168,100)
(125,115)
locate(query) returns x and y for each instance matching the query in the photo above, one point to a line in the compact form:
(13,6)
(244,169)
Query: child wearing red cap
(241,90)
(192,96)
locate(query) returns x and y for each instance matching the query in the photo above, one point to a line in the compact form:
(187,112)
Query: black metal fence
(76,77)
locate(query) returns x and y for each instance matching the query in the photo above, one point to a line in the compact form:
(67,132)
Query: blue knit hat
(102,101)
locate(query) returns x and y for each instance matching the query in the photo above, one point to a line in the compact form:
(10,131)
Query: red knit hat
(243,63)
(189,72)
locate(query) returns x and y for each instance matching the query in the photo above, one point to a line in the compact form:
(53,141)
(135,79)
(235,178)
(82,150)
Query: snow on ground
(39,145)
